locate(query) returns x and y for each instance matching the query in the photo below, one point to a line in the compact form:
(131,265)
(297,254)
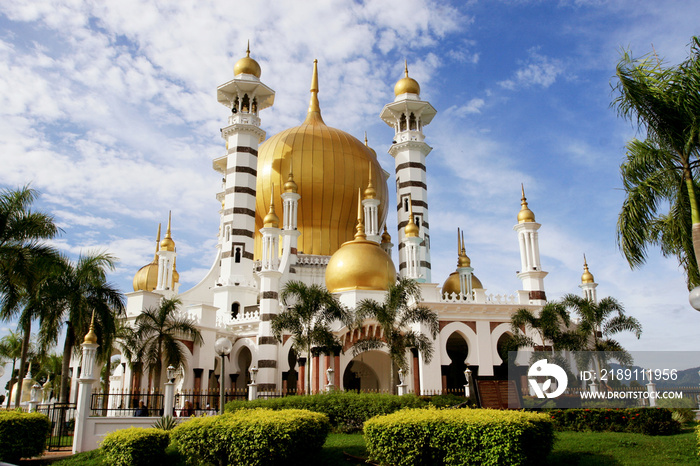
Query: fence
(62,417)
(126,404)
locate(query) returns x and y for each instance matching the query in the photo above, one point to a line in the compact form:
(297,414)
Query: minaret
(166,261)
(411,242)
(245,95)
(269,300)
(290,233)
(370,203)
(464,269)
(407,114)
(531,272)
(588,284)
(386,245)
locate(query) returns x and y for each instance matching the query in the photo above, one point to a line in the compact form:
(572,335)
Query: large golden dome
(360,265)
(328,165)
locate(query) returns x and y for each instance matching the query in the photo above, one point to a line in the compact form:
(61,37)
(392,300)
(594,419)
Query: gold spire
(271,220)
(411,229)
(405,66)
(247,65)
(525,215)
(176,275)
(290,186)
(314,113)
(91,336)
(370,192)
(587,276)
(386,237)
(168,244)
(462,258)
(360,228)
(155,255)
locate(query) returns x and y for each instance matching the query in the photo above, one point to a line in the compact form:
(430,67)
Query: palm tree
(659,171)
(310,312)
(549,324)
(24,262)
(11,348)
(159,330)
(395,316)
(73,294)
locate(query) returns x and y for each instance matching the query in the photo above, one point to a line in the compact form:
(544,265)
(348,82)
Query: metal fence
(62,417)
(126,404)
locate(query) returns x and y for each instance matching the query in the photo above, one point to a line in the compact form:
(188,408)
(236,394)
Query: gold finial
(168,244)
(587,276)
(271,220)
(525,215)
(314,112)
(366,142)
(360,229)
(411,229)
(370,192)
(386,237)
(405,66)
(462,258)
(290,186)
(247,50)
(155,256)
(91,336)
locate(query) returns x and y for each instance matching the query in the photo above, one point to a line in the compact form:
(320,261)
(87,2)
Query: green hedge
(459,437)
(697,432)
(22,435)
(346,411)
(253,437)
(649,421)
(135,446)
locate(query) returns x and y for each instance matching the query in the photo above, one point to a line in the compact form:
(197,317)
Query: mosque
(333,198)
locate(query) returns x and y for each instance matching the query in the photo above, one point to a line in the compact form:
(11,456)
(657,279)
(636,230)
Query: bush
(682,409)
(465,436)
(135,446)
(697,433)
(649,421)
(22,435)
(346,411)
(253,437)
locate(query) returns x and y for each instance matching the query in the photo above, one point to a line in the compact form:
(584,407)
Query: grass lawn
(570,449)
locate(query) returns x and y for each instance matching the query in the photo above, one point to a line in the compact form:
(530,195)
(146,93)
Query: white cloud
(537,70)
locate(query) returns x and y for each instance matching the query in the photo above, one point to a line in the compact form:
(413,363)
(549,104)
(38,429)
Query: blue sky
(109,109)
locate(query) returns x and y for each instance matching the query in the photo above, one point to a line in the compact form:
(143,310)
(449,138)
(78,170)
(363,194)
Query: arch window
(245,104)
(235,307)
(412,122)
(237,256)
(405,204)
(402,122)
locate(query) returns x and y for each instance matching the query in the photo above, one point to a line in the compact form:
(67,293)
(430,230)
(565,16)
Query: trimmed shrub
(346,411)
(253,437)
(697,432)
(682,410)
(22,435)
(649,421)
(135,446)
(459,437)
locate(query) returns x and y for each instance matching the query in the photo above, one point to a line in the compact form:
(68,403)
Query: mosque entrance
(457,350)
(368,371)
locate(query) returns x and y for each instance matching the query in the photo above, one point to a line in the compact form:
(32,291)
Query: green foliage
(464,436)
(346,411)
(449,400)
(135,446)
(697,433)
(22,435)
(253,437)
(648,421)
(682,409)
(165,423)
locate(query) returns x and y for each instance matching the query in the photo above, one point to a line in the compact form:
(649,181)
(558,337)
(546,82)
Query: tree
(396,315)
(661,169)
(25,261)
(159,331)
(549,324)
(73,294)
(11,348)
(310,312)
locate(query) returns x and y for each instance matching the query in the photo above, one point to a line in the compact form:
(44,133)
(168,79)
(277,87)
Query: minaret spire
(155,256)
(314,112)
(360,229)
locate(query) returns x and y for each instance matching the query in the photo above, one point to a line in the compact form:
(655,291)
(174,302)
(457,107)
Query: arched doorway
(368,371)
(457,350)
(291,377)
(244,360)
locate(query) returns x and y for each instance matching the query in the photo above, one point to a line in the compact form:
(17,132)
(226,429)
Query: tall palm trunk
(11,383)
(65,367)
(26,333)
(694,212)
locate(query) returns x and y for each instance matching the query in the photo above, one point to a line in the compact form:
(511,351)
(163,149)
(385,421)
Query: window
(237,256)
(405,204)
(235,307)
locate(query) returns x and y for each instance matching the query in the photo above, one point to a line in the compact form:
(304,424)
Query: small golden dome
(451,285)
(146,278)
(168,244)
(386,237)
(370,192)
(587,276)
(247,65)
(176,275)
(290,186)
(406,85)
(91,336)
(462,258)
(525,215)
(411,229)
(271,220)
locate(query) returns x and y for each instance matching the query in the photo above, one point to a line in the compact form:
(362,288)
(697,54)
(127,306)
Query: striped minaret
(407,114)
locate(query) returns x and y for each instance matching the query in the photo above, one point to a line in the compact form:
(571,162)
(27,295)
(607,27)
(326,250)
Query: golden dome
(386,237)
(462,258)
(271,220)
(587,276)
(360,265)
(146,278)
(328,166)
(525,214)
(247,65)
(290,186)
(451,285)
(168,244)
(406,84)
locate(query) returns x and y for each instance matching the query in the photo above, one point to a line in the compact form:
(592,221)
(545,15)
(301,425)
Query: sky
(109,110)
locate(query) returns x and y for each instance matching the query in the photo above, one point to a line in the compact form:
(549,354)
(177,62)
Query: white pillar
(82,408)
